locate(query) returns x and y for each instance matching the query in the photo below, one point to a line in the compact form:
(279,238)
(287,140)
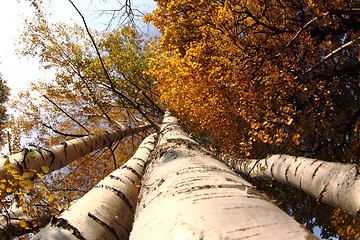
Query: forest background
(241,79)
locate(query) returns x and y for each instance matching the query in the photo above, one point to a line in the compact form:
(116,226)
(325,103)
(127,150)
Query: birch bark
(106,211)
(60,155)
(188,194)
(336,184)
(10,221)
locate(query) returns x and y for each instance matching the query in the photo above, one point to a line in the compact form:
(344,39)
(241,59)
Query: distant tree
(4,95)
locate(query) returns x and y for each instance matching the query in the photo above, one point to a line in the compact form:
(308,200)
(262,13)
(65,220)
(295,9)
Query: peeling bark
(107,210)
(188,194)
(62,154)
(336,184)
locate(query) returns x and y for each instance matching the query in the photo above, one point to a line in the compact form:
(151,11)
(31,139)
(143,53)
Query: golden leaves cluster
(235,70)
(26,191)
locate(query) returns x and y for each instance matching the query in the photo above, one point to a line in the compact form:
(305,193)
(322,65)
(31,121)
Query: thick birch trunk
(187,194)
(60,155)
(336,184)
(10,221)
(106,211)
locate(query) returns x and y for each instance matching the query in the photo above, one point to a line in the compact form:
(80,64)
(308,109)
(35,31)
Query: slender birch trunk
(106,211)
(62,154)
(336,184)
(188,194)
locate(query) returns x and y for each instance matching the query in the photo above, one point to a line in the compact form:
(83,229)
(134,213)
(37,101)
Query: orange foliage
(261,77)
(238,72)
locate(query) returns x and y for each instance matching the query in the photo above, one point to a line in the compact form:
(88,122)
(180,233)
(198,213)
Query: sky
(19,71)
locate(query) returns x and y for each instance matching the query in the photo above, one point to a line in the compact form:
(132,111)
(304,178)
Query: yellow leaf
(27,175)
(253,175)
(50,198)
(45,169)
(31,154)
(23,223)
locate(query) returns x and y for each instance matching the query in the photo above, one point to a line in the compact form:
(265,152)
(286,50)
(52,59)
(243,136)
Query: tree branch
(348,44)
(61,133)
(10,223)
(145,95)
(58,107)
(112,87)
(135,105)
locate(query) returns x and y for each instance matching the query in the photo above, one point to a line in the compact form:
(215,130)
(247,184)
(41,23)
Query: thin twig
(331,54)
(8,218)
(58,107)
(145,95)
(94,44)
(9,142)
(136,106)
(305,27)
(113,153)
(61,133)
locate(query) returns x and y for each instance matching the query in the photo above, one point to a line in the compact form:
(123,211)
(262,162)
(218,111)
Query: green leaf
(7,159)
(31,154)
(253,175)
(45,169)
(27,175)
(262,169)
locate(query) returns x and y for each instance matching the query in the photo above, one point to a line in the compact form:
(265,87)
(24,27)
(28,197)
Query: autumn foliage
(77,102)
(250,78)
(262,77)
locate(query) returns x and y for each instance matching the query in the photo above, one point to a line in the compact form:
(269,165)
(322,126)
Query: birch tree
(76,103)
(16,219)
(106,211)
(187,194)
(336,184)
(58,156)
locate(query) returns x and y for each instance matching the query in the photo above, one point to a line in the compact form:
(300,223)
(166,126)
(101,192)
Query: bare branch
(61,133)
(135,105)
(58,107)
(349,11)
(303,28)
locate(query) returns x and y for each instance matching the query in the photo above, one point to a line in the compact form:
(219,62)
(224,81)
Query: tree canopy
(249,78)
(263,77)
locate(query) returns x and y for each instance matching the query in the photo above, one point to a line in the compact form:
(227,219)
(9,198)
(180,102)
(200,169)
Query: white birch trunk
(106,211)
(188,194)
(62,154)
(10,221)
(336,184)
